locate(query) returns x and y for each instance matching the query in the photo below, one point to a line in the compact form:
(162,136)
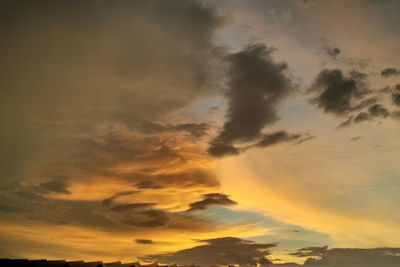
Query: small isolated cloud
(218,251)
(390,72)
(332,52)
(144,241)
(210,200)
(340,94)
(355,138)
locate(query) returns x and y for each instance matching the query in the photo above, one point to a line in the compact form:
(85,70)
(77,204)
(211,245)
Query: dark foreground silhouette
(61,263)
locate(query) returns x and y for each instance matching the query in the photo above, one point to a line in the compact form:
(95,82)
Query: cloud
(389,72)
(396,114)
(374,111)
(151,161)
(396,95)
(149,127)
(110,200)
(363,116)
(257,85)
(332,51)
(55,186)
(346,123)
(378,110)
(339,94)
(110,183)
(218,148)
(148,184)
(310,251)
(89,66)
(278,137)
(144,241)
(346,257)
(210,200)
(130,206)
(219,251)
(344,95)
(153,218)
(355,138)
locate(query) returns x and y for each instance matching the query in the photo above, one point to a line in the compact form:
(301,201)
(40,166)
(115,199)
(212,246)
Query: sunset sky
(207,132)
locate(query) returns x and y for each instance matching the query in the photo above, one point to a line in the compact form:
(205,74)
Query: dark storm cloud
(340,94)
(389,72)
(210,200)
(346,257)
(96,64)
(219,251)
(257,84)
(144,241)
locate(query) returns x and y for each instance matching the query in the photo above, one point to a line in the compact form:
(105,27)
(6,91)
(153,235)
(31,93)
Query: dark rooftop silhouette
(61,263)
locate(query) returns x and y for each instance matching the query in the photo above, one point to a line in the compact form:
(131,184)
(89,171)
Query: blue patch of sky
(287,235)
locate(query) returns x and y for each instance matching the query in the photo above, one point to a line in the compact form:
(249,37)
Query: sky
(208,132)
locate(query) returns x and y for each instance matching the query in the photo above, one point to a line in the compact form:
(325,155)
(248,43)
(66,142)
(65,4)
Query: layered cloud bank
(193,131)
